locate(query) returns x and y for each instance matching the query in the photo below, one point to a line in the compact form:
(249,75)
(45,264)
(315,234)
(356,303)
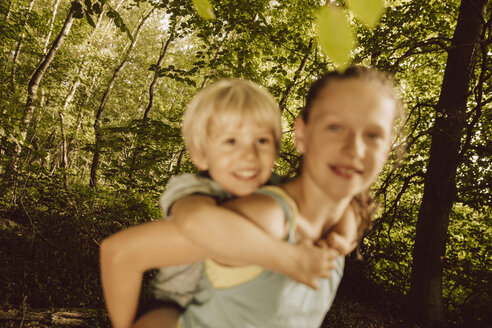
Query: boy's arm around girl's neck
(226,232)
(250,230)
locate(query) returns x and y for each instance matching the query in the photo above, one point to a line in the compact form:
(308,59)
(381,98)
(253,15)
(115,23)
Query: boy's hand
(343,236)
(311,262)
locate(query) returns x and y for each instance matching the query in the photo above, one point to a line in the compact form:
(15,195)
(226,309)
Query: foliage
(335,34)
(50,244)
(51,221)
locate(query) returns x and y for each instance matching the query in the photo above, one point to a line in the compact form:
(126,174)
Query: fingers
(315,261)
(339,243)
(313,284)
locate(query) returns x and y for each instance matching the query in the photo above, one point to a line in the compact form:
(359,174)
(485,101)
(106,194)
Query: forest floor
(349,313)
(353,315)
(345,313)
(358,304)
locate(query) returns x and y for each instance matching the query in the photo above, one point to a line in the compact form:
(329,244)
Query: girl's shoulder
(284,206)
(266,208)
(281,197)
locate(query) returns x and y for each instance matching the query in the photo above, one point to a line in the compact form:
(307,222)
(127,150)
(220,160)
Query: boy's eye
(263,141)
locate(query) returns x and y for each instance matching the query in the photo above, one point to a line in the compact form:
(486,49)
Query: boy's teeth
(246,174)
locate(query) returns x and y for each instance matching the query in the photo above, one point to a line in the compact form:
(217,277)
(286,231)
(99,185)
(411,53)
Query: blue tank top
(251,297)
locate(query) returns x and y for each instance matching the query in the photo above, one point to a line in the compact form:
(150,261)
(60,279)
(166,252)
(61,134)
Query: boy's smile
(238,157)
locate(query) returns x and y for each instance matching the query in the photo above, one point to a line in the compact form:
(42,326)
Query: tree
(273,43)
(33,86)
(105,97)
(440,181)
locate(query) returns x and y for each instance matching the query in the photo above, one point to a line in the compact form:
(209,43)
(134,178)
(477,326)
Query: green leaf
(204,9)
(88,3)
(78,14)
(97,8)
(335,35)
(369,11)
(90,20)
(77,10)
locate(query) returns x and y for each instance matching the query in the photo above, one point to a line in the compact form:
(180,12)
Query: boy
(218,148)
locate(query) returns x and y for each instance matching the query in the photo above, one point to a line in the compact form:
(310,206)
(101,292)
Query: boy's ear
(300,128)
(198,158)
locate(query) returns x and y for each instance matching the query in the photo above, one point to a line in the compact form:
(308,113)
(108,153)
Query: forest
(92,94)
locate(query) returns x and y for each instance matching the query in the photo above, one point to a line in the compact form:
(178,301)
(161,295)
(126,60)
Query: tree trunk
(50,29)
(288,90)
(175,167)
(162,53)
(102,105)
(214,59)
(64,153)
(33,87)
(440,181)
(19,46)
(156,75)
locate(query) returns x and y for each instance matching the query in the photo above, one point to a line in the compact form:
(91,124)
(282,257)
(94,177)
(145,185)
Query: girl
(344,136)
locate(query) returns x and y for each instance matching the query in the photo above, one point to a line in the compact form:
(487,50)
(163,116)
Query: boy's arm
(229,235)
(126,255)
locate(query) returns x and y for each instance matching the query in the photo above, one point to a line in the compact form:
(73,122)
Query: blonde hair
(229,101)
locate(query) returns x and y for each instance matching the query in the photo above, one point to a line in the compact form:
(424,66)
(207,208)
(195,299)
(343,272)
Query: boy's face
(238,157)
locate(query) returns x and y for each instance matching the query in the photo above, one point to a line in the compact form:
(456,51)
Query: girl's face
(346,140)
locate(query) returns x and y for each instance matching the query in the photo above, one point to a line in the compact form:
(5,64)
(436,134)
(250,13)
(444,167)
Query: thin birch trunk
(19,46)
(102,105)
(51,24)
(33,90)
(162,54)
(175,167)
(64,153)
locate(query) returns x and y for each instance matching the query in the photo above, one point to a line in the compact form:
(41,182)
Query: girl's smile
(346,140)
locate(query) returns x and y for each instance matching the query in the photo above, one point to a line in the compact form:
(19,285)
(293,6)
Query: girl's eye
(374,135)
(334,128)
(230,141)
